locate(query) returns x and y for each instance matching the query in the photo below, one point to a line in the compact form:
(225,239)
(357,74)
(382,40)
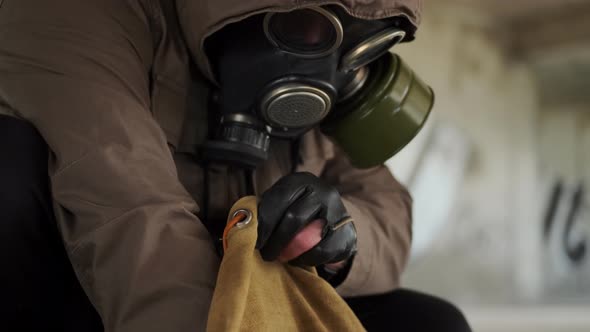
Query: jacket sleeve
(78,70)
(381,209)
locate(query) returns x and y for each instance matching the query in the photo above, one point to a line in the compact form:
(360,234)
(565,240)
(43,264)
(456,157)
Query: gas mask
(281,74)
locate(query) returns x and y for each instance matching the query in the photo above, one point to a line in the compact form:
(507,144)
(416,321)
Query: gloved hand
(295,202)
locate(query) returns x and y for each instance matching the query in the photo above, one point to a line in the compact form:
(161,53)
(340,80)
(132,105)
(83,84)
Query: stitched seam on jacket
(78,244)
(72,163)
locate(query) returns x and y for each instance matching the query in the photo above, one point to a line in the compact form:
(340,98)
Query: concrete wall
(564,150)
(488,251)
(564,136)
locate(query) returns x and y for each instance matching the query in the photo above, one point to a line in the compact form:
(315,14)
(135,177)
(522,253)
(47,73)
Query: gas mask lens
(312,32)
(371,49)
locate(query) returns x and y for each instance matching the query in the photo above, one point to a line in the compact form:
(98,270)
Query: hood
(200,19)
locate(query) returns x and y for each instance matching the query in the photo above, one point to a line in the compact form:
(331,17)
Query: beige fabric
(107,83)
(254,295)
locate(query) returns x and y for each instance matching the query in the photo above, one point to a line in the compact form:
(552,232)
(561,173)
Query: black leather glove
(294,202)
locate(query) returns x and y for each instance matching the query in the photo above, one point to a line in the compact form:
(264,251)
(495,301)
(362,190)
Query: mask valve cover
(294,106)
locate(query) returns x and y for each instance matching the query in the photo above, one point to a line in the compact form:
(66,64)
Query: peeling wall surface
(486,240)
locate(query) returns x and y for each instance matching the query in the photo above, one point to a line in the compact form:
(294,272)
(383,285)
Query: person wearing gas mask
(130,127)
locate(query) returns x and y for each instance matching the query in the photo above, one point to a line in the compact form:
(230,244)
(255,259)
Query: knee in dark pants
(405,310)
(20,203)
(441,314)
(30,247)
(25,199)
(24,183)
(38,285)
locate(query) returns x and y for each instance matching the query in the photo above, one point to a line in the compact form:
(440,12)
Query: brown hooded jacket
(108,84)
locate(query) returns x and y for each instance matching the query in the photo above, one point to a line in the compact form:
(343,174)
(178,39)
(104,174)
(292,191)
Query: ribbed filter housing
(246,135)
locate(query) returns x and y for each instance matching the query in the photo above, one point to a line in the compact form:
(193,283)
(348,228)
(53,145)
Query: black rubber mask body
(265,91)
(249,68)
